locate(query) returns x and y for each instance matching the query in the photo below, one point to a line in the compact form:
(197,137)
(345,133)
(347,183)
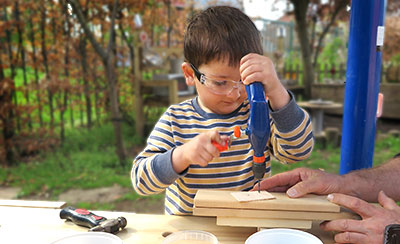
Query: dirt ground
(111,195)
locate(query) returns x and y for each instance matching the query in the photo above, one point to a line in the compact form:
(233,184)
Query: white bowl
(90,238)
(282,236)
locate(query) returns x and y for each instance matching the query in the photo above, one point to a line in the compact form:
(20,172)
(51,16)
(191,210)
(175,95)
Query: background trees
(62,65)
(69,63)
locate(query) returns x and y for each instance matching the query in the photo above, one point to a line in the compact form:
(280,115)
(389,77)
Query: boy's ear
(188,73)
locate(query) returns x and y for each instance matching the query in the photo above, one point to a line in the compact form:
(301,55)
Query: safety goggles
(220,87)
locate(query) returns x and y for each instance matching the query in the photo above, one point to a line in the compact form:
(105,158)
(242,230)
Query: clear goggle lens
(220,86)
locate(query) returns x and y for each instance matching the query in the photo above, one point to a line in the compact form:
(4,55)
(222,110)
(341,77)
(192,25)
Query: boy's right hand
(199,150)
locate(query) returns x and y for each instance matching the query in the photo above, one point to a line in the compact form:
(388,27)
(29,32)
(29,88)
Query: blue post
(362,85)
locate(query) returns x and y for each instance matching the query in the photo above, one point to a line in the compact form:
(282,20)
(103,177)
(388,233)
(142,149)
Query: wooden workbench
(43,225)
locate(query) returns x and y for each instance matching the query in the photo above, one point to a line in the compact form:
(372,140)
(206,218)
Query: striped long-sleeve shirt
(291,140)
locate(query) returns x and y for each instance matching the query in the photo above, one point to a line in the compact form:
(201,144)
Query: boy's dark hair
(220,32)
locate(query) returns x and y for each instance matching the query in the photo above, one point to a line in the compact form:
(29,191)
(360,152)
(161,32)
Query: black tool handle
(81,217)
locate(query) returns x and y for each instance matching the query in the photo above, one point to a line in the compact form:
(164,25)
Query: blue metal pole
(362,85)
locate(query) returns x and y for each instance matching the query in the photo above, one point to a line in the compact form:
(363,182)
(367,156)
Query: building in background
(276,27)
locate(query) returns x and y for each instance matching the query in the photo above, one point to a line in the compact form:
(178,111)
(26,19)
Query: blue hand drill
(258,128)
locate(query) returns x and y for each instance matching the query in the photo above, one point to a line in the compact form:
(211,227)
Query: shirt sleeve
(292,138)
(152,170)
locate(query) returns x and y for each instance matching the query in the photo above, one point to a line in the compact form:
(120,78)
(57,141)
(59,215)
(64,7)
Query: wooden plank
(32,204)
(266,223)
(273,214)
(224,199)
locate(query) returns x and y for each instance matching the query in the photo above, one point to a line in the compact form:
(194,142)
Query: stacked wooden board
(282,212)
(32,203)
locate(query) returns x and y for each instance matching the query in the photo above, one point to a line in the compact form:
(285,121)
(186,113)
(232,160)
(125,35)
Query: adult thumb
(298,190)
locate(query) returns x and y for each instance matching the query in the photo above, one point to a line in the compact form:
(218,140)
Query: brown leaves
(391,46)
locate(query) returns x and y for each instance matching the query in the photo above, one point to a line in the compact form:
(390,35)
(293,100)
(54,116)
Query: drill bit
(259,186)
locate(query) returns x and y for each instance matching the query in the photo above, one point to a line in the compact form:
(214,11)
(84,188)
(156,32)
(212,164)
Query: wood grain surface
(224,199)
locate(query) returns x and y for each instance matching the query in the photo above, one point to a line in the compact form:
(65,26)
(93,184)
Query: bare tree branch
(340,5)
(82,20)
(112,27)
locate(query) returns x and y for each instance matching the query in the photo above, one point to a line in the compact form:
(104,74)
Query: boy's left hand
(258,68)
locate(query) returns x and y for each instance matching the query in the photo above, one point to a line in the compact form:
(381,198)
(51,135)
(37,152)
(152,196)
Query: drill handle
(81,217)
(258,127)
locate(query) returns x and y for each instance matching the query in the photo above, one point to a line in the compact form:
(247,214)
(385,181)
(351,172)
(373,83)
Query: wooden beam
(266,223)
(224,199)
(273,214)
(32,204)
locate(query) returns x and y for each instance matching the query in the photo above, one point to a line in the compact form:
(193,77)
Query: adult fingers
(283,179)
(355,204)
(309,181)
(343,225)
(301,189)
(387,202)
(351,237)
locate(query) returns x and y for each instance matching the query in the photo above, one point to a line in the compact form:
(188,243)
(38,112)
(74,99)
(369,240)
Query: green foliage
(331,53)
(386,148)
(19,75)
(321,158)
(396,59)
(98,206)
(133,197)
(76,109)
(86,160)
(293,60)
(292,63)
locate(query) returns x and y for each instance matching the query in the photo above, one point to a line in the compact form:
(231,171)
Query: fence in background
(328,74)
(329,85)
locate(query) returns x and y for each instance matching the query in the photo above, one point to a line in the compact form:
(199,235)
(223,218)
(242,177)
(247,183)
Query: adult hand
(199,150)
(374,219)
(300,181)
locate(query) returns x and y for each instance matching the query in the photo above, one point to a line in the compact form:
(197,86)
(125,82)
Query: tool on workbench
(258,128)
(85,218)
(227,143)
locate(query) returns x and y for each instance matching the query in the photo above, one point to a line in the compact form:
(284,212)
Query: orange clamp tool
(220,147)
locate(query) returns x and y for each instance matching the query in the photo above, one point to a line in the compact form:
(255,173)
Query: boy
(222,49)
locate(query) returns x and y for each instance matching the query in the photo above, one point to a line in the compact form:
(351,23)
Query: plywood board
(32,204)
(273,214)
(224,199)
(248,196)
(266,223)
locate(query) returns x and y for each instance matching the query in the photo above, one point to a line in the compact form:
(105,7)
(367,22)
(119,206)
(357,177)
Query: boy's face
(221,93)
